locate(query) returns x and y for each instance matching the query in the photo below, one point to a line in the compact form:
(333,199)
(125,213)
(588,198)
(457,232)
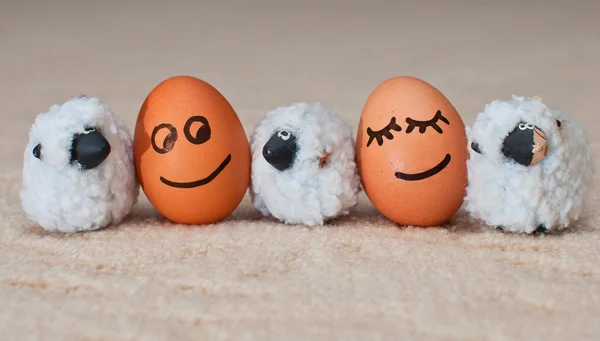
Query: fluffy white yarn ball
(549,195)
(57,192)
(321,182)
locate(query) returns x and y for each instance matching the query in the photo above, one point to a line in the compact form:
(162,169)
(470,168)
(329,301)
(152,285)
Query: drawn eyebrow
(412,123)
(386,131)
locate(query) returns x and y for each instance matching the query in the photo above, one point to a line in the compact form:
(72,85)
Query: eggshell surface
(412,152)
(192,155)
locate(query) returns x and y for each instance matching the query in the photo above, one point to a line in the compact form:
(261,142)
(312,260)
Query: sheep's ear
(37,151)
(323,159)
(476,148)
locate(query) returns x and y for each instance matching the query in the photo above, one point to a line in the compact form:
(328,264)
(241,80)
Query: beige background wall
(250,278)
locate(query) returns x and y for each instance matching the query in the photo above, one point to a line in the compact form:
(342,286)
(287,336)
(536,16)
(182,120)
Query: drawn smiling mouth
(200,182)
(426,174)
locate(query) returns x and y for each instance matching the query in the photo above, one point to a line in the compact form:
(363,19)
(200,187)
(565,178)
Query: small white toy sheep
(78,172)
(303,169)
(530,169)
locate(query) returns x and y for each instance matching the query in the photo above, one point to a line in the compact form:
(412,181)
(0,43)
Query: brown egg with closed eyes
(411,153)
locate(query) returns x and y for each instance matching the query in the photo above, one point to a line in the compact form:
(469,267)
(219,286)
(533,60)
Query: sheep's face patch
(281,149)
(526,144)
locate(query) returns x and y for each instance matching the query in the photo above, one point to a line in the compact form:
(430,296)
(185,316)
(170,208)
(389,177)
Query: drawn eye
(202,134)
(385,132)
(168,142)
(37,151)
(433,123)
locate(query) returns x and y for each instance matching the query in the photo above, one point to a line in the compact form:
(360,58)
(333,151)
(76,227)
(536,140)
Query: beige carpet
(250,278)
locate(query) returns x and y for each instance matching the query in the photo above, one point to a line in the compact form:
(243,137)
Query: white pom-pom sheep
(78,172)
(530,169)
(303,169)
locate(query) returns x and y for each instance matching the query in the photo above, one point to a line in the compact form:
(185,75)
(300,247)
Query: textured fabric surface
(322,181)
(249,278)
(552,193)
(57,194)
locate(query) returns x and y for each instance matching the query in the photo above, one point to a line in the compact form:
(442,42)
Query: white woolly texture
(306,193)
(58,194)
(517,198)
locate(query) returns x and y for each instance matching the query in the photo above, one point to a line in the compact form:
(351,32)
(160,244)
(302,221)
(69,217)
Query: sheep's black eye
(558,123)
(37,151)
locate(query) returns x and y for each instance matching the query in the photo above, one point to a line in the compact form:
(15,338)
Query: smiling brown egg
(412,152)
(192,156)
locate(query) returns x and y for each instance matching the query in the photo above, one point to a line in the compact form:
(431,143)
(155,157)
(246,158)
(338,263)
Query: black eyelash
(386,131)
(412,124)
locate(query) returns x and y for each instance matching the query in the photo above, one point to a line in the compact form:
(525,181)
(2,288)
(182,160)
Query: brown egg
(412,152)
(192,156)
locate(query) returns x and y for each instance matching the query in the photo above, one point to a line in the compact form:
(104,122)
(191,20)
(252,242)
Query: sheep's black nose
(280,150)
(526,144)
(89,149)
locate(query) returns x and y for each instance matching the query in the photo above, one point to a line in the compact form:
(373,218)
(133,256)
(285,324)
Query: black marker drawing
(412,123)
(200,182)
(169,140)
(426,174)
(202,134)
(386,131)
